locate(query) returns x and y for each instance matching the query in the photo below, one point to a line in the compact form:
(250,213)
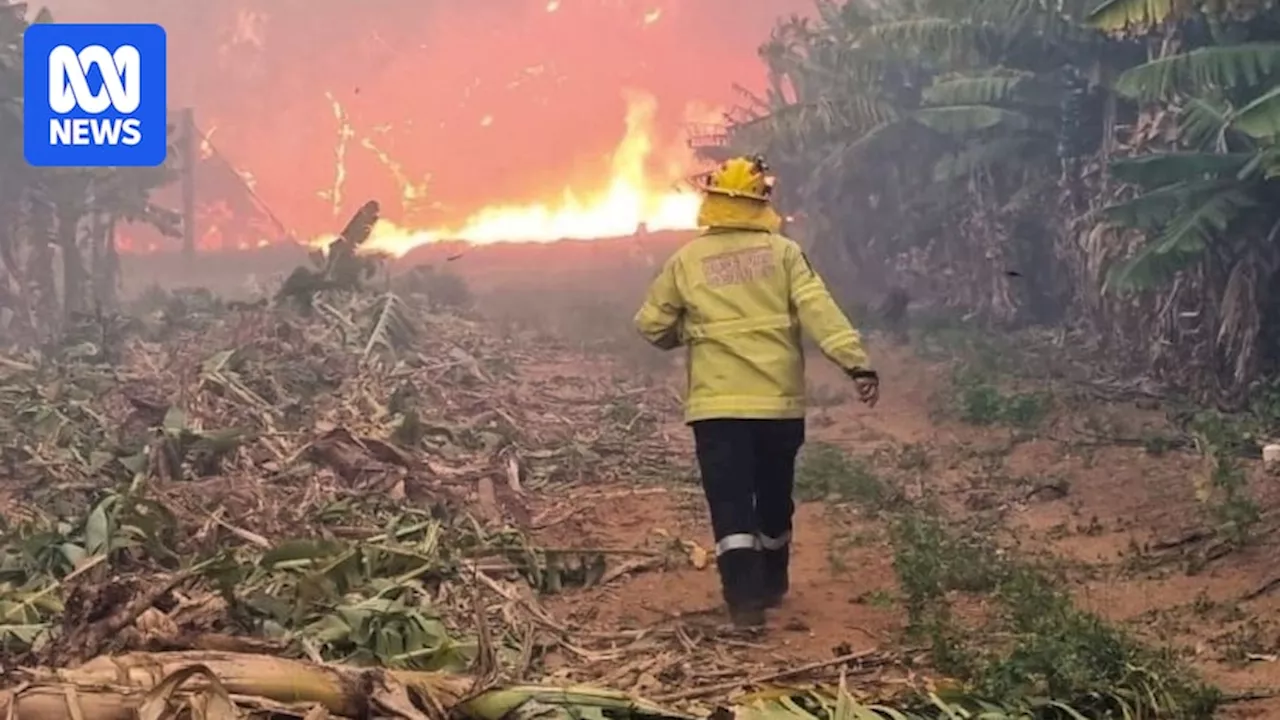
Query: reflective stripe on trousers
(737,541)
(771,543)
(747,541)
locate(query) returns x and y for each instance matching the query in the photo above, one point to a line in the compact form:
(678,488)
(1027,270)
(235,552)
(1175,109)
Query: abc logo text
(95,95)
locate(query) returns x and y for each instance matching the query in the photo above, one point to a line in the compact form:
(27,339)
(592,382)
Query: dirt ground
(1111,508)
(1125,518)
(1077,488)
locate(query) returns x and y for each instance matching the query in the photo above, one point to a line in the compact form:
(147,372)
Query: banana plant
(1142,15)
(72,210)
(1220,189)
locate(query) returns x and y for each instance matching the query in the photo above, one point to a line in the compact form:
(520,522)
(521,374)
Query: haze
(496,101)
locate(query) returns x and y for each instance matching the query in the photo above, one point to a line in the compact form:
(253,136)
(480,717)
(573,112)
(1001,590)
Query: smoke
(494,100)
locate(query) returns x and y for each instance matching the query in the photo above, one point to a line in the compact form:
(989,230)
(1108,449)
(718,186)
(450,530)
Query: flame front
(631,200)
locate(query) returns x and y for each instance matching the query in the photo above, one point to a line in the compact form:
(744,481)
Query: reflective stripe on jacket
(738,300)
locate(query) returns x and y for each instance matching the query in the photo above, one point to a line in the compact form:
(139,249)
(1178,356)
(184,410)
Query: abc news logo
(69,90)
(95,95)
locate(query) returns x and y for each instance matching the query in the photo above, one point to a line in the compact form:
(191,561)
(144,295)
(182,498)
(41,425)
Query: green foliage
(1051,648)
(1194,216)
(1217,192)
(1153,172)
(980,402)
(1029,644)
(824,472)
(1201,72)
(1226,495)
(1261,117)
(956,141)
(985,89)
(955,106)
(931,562)
(1123,14)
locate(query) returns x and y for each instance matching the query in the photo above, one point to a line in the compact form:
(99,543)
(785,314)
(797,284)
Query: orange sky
(419,77)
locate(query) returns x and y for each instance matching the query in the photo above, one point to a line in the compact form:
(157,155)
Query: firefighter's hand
(669,340)
(867,383)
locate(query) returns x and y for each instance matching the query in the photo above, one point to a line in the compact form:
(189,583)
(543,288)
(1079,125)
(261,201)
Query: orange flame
(630,201)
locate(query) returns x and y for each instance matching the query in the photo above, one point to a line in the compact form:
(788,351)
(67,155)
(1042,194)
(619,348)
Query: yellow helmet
(742,177)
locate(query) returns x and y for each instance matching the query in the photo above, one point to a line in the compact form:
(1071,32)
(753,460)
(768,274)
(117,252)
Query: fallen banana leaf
(567,704)
(155,686)
(340,690)
(231,686)
(164,700)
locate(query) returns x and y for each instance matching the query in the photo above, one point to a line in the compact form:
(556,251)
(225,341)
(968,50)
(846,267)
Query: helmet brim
(735,194)
(703,183)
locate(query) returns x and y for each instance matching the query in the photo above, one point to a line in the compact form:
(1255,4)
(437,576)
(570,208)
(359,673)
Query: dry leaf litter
(211,489)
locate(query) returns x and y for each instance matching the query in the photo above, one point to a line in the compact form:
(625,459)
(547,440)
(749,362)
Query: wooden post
(190,156)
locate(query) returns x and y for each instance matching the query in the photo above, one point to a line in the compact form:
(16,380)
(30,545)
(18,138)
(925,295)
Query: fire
(345,134)
(631,200)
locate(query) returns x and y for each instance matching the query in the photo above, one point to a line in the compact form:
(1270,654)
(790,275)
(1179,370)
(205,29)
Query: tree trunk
(111,262)
(103,260)
(14,285)
(42,285)
(74,277)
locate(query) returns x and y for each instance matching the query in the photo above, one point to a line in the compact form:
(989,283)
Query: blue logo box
(95,95)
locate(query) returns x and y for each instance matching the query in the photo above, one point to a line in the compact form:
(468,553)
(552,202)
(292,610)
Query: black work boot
(747,618)
(740,581)
(775,580)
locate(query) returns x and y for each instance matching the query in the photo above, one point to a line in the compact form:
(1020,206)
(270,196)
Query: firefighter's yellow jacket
(738,300)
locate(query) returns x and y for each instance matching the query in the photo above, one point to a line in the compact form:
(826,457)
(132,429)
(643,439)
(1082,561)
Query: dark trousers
(748,472)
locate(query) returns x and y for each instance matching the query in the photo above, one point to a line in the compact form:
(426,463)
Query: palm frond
(863,112)
(1201,71)
(1261,118)
(968,119)
(1035,23)
(957,40)
(1204,124)
(1164,169)
(1259,166)
(1269,162)
(1158,208)
(830,65)
(841,157)
(981,156)
(1184,239)
(803,124)
(1123,14)
(983,89)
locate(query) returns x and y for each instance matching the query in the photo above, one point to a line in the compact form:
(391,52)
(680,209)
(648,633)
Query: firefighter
(737,297)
